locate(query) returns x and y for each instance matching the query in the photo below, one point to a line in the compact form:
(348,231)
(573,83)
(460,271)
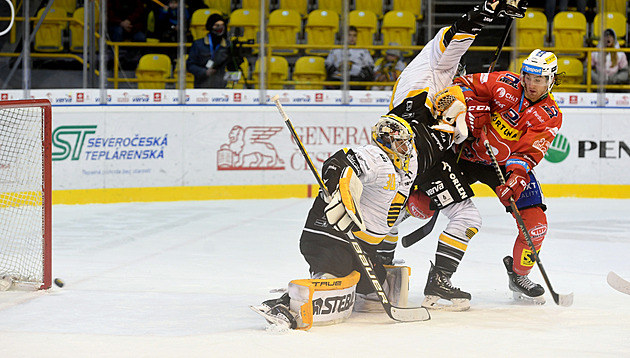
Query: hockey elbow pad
(343,211)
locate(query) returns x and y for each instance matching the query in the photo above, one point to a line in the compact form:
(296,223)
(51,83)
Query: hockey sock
(536,223)
(473,21)
(451,249)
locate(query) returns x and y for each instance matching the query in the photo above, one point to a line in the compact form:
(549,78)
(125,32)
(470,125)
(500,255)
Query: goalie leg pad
(323,301)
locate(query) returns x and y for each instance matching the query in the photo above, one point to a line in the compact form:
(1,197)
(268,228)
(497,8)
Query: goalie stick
(559,299)
(402,314)
(420,233)
(618,283)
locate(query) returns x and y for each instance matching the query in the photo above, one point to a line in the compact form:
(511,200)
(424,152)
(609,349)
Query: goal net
(25,192)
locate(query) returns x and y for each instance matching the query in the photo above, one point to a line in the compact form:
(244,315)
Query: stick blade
(563,300)
(409,314)
(275,98)
(615,281)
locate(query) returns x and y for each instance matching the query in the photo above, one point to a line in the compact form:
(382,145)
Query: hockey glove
(450,112)
(517,180)
(343,211)
(418,205)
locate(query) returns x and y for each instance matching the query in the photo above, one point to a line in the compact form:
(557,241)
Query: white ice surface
(175,280)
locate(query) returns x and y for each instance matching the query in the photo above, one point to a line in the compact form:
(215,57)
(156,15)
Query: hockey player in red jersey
(520,118)
(423,94)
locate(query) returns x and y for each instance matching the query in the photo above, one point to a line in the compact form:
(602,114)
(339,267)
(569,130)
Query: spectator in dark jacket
(210,57)
(126,20)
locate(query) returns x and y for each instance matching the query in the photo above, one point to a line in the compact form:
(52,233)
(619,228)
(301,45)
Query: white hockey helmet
(394,135)
(542,63)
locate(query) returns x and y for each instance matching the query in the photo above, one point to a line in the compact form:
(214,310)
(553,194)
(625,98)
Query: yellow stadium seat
(251,4)
(283,28)
(333,5)
(309,69)
(249,21)
(376,6)
(413,6)
(615,6)
(573,73)
(399,27)
(198,22)
(366,23)
(76,29)
(68,5)
(321,29)
(277,69)
(569,29)
(224,6)
(300,6)
(49,37)
(152,70)
(190,78)
(531,31)
(612,20)
(515,65)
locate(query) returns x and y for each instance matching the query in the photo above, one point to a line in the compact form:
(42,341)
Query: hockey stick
(615,281)
(497,52)
(402,314)
(420,233)
(559,299)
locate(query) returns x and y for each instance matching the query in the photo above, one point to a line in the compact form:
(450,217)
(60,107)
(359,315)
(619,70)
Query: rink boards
(171,152)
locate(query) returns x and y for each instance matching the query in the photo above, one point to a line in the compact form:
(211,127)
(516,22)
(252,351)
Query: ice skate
(439,287)
(522,287)
(276,311)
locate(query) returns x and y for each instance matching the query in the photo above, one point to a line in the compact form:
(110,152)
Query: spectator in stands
(167,21)
(212,58)
(388,67)
(360,62)
(551,6)
(612,67)
(126,20)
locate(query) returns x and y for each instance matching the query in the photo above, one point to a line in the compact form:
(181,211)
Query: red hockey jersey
(516,128)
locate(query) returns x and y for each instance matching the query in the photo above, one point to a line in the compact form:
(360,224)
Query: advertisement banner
(133,146)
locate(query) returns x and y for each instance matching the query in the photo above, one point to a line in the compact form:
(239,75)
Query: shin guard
(536,223)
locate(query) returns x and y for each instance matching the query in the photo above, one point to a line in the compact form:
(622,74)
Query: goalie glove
(343,211)
(450,111)
(517,180)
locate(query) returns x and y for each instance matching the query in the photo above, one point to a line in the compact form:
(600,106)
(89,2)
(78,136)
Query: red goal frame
(45,105)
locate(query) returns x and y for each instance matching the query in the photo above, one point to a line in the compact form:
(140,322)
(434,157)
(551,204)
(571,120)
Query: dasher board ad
(127,147)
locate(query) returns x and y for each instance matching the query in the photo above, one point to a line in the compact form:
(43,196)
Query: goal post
(26,192)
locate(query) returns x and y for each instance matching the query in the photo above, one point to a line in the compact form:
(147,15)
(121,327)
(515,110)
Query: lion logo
(249,148)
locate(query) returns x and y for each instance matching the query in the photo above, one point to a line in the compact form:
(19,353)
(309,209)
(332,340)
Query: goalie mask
(541,63)
(394,135)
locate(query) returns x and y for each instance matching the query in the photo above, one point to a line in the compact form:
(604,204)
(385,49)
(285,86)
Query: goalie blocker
(329,300)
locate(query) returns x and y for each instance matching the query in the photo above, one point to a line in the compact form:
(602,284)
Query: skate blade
(437,303)
(273,320)
(538,300)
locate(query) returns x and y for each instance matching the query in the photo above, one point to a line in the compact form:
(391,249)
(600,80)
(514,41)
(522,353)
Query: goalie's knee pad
(323,301)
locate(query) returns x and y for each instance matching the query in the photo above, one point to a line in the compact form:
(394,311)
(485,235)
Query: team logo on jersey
(249,148)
